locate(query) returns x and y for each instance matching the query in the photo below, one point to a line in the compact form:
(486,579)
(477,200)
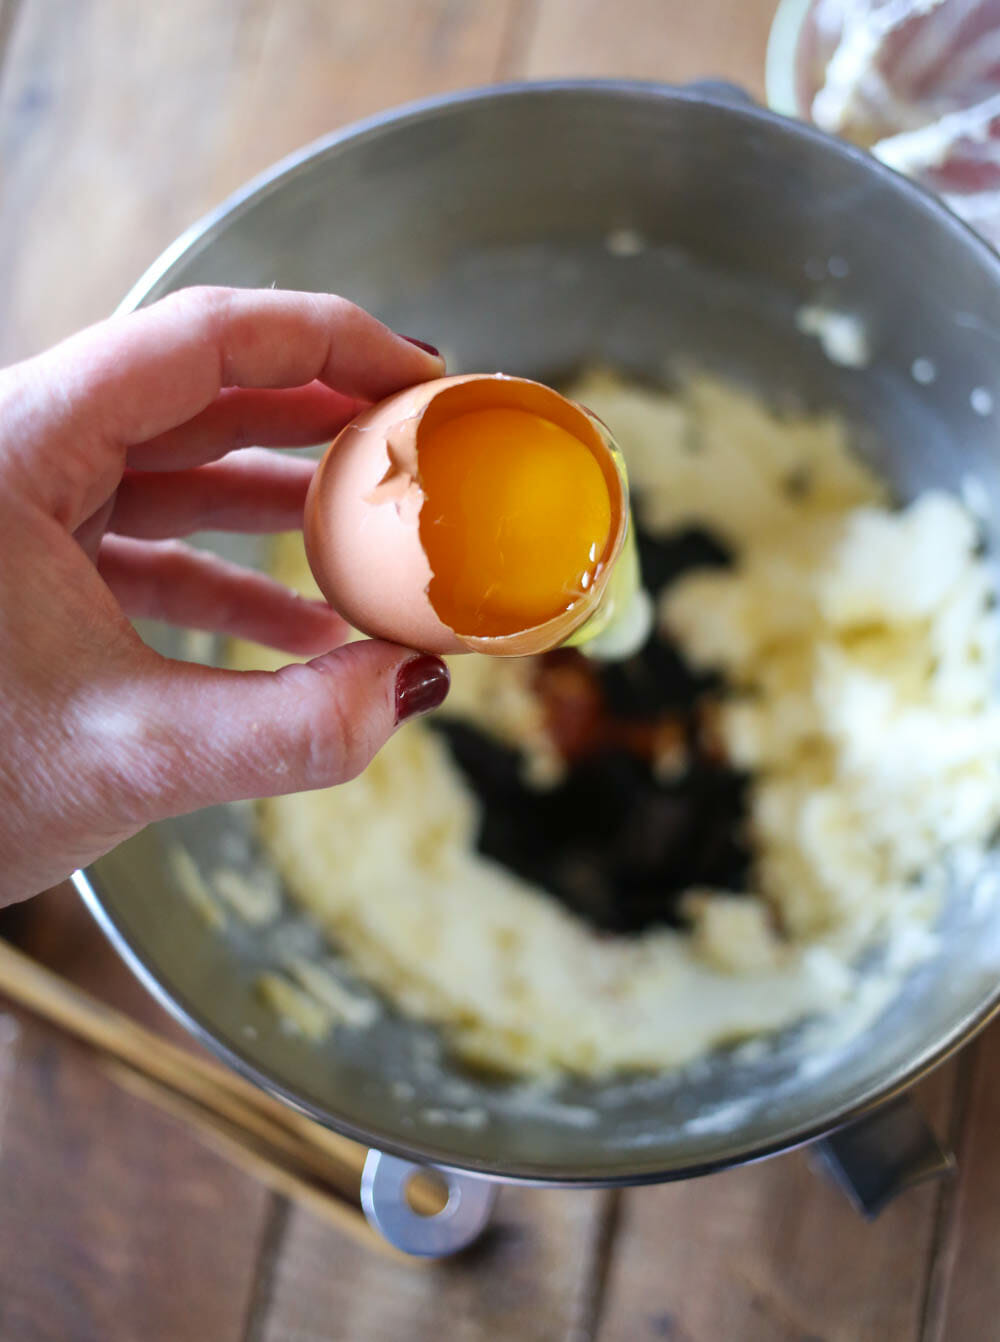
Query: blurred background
(121,124)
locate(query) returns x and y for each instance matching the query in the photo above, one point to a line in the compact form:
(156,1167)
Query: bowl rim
(780,59)
(616,1172)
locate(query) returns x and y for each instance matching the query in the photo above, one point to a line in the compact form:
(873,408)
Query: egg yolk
(515,520)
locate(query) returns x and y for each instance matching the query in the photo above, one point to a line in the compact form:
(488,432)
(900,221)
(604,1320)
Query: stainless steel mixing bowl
(535,229)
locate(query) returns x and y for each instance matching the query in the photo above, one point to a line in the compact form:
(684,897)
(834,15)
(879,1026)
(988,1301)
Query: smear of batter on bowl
(810,738)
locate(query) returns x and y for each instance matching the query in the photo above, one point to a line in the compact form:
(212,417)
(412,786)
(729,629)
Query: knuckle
(209,309)
(177,566)
(335,744)
(344,308)
(200,301)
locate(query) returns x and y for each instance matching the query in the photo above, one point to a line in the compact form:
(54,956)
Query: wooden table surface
(120,123)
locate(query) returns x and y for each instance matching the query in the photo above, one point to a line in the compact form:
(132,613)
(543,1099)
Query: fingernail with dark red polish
(421,684)
(422,344)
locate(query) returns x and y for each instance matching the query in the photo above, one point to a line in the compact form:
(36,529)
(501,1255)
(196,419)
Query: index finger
(137,375)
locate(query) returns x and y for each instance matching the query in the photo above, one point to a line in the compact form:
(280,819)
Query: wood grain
(528,1280)
(671,40)
(117,1224)
(325,65)
(121,124)
(772,1253)
(213,1097)
(109,118)
(964,1304)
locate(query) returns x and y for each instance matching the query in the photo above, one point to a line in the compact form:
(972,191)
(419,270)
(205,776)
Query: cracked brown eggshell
(363,508)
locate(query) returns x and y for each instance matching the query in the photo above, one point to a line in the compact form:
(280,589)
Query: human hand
(112,442)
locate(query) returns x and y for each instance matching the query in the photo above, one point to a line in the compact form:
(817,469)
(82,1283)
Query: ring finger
(166,580)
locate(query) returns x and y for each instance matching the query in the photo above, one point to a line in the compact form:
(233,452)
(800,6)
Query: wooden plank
(671,40)
(120,124)
(109,121)
(325,65)
(117,1223)
(964,1302)
(772,1253)
(529,1279)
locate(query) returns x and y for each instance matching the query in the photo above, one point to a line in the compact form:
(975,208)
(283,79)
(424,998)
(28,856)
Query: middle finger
(252,490)
(241,417)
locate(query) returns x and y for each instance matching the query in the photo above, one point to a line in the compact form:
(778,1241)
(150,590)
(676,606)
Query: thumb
(228,735)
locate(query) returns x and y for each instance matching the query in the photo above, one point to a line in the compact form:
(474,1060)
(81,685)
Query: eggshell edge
(390,479)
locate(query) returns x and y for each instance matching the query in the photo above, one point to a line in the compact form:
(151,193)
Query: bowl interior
(536,230)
